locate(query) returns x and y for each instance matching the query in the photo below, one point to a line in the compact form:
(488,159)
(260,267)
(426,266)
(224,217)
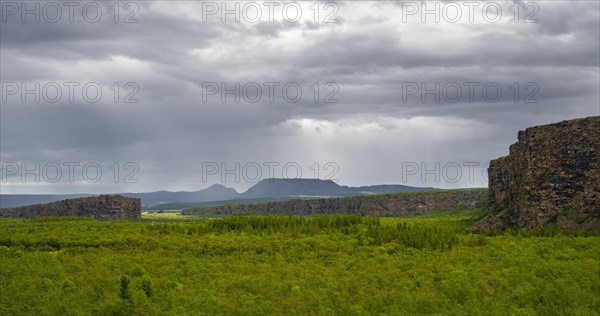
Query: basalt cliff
(551,177)
(392,204)
(99,207)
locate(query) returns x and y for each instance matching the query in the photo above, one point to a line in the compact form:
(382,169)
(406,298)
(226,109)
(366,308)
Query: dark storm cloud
(145,39)
(370,54)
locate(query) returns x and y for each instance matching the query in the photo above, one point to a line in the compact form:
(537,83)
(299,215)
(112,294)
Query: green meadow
(168,264)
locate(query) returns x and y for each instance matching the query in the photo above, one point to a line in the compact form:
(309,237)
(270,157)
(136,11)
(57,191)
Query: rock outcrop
(550,177)
(99,207)
(393,204)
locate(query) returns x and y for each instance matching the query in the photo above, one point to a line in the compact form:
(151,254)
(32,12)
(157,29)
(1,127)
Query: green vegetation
(167,264)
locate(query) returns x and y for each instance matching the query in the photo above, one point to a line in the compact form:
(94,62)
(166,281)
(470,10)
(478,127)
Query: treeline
(365,230)
(368,230)
(272,224)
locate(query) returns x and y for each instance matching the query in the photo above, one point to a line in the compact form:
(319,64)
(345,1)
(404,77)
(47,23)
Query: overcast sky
(374,58)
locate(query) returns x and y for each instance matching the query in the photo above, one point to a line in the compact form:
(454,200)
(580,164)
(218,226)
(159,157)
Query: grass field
(168,264)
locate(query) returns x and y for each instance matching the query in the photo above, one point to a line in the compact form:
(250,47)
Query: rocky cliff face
(376,205)
(550,177)
(99,207)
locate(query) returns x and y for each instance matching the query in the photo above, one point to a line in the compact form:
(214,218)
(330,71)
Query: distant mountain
(267,189)
(15,200)
(315,187)
(216,192)
(388,188)
(293,187)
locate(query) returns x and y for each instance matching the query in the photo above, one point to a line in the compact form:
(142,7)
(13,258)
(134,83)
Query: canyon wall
(99,207)
(550,177)
(393,204)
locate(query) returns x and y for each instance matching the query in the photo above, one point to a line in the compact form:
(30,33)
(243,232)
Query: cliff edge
(99,207)
(550,177)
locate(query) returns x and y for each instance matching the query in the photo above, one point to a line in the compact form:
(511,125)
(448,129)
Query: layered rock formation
(550,177)
(99,207)
(397,204)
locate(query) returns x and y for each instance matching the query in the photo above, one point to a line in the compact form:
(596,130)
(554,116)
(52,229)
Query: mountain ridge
(266,188)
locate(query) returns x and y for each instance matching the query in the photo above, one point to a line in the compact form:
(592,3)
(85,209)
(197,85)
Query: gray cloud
(369,55)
